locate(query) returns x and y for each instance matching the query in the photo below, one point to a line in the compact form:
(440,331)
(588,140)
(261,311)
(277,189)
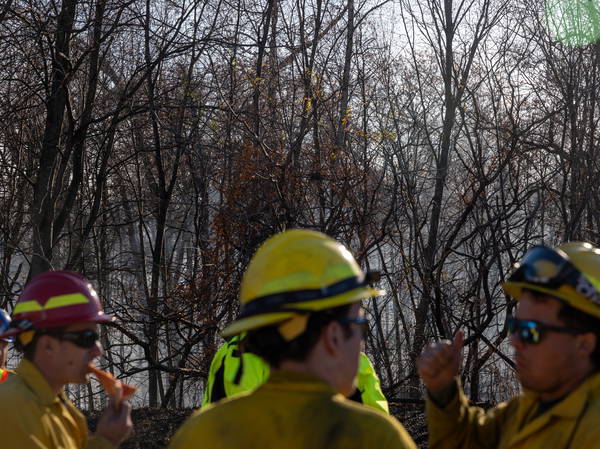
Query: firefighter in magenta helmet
(555,333)
(300,307)
(55,325)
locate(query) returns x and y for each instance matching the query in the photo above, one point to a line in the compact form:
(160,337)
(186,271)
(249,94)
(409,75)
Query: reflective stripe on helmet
(52,303)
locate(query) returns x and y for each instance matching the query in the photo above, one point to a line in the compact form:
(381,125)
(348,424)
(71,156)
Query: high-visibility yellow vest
(228,377)
(369,386)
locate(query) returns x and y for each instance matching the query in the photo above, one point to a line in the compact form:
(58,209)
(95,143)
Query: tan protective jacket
(32,417)
(573,423)
(291,411)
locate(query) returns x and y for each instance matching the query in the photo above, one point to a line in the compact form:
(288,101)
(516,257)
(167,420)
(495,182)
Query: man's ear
(332,336)
(586,343)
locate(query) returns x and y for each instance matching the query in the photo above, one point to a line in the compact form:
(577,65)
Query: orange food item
(115,388)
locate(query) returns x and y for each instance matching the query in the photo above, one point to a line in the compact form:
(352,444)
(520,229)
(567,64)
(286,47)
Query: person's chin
(81,379)
(528,382)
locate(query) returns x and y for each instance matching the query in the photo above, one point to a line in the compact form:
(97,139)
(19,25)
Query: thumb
(115,399)
(457,342)
(125,408)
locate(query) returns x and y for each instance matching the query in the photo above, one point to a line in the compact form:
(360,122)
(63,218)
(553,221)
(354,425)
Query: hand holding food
(116,389)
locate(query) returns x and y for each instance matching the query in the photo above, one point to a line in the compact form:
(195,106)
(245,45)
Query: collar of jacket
(292,380)
(572,403)
(572,407)
(37,383)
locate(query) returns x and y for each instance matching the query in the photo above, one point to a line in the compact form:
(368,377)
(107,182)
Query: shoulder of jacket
(364,411)
(381,426)
(14,392)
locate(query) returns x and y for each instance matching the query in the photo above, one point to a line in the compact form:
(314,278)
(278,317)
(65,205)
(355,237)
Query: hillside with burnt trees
(153,145)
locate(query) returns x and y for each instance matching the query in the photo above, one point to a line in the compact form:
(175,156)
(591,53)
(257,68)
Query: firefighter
(233,371)
(300,307)
(55,322)
(555,333)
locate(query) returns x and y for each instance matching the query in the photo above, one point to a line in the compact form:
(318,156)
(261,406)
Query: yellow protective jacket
(33,417)
(291,411)
(573,423)
(227,377)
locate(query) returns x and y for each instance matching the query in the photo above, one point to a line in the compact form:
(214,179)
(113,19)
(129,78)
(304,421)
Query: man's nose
(97,349)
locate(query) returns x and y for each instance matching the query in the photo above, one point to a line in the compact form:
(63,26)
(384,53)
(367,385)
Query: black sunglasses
(545,267)
(362,322)
(85,339)
(532,332)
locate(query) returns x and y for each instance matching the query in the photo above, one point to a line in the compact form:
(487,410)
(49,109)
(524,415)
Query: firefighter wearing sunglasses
(300,307)
(555,333)
(55,325)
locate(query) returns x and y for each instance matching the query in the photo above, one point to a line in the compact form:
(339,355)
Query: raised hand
(438,364)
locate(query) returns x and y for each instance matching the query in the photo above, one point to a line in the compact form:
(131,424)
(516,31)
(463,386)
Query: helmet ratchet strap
(294,326)
(26,337)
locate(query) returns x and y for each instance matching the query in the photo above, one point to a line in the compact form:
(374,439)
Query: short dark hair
(581,321)
(576,319)
(268,343)
(28,350)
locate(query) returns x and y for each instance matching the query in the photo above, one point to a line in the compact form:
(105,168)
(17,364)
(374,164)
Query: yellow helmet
(294,273)
(570,272)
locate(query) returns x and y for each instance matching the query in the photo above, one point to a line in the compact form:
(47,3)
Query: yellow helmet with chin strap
(570,272)
(293,274)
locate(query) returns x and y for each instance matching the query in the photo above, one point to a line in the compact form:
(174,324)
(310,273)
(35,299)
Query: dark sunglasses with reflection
(85,339)
(361,321)
(532,332)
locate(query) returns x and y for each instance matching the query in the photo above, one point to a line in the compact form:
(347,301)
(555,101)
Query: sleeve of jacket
(458,425)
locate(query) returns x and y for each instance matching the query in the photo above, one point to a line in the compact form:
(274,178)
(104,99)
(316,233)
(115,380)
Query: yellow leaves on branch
(256,81)
(307,104)
(347,115)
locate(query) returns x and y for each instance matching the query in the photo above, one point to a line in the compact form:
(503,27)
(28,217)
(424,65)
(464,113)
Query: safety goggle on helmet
(565,274)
